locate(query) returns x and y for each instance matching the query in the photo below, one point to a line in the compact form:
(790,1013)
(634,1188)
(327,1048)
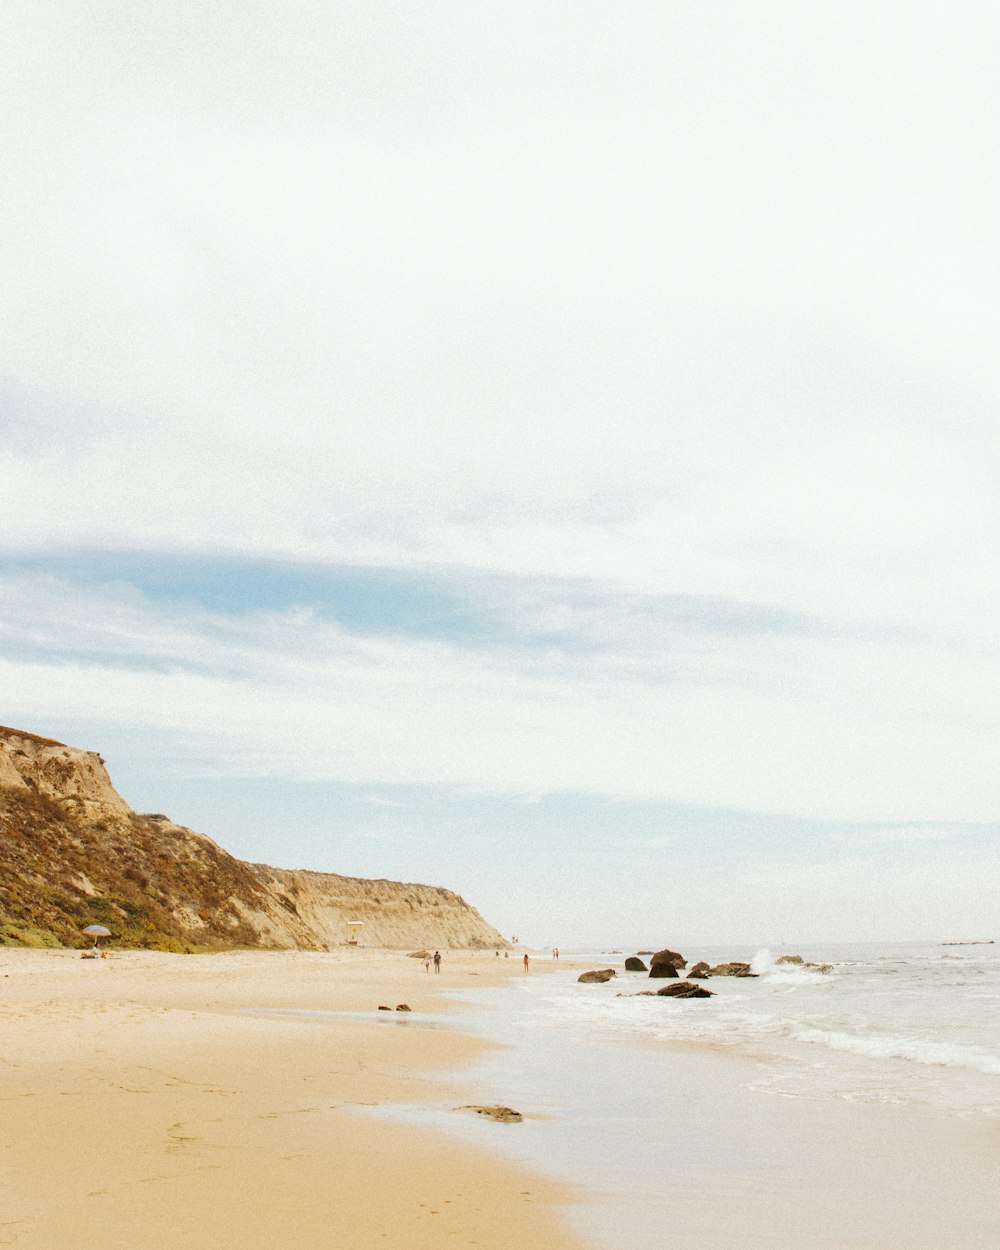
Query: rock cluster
(666,963)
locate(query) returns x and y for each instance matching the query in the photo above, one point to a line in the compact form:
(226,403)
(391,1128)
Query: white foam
(916,1050)
(766,965)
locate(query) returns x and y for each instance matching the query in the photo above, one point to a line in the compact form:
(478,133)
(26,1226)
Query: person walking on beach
(437,961)
(427,963)
(526,961)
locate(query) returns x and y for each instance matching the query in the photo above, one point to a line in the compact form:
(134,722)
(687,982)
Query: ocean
(797,1110)
(907,1024)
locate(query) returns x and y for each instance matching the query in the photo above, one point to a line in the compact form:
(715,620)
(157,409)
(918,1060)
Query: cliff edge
(73,853)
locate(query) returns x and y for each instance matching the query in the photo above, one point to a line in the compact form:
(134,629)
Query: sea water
(855,1107)
(904,1024)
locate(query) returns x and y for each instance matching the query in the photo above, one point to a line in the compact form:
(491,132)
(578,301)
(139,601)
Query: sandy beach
(259,1098)
(153,1099)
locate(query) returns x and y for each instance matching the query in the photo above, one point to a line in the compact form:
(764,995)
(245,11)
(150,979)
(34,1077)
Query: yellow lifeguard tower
(354,926)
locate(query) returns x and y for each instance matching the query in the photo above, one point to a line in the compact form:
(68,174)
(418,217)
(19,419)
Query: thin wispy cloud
(816,726)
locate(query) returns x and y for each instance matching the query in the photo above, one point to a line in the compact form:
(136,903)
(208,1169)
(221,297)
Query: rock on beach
(503,1115)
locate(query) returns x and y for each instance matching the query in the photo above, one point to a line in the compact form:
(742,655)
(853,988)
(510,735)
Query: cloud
(817,726)
(406,293)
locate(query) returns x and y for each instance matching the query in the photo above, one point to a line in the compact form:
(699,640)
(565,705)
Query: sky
(549,451)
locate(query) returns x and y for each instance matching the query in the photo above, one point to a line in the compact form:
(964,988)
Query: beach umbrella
(97,931)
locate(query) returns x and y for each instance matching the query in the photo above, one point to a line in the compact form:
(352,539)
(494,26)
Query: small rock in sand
(503,1115)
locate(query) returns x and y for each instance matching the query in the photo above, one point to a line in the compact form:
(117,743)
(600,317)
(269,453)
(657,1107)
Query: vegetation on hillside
(151,883)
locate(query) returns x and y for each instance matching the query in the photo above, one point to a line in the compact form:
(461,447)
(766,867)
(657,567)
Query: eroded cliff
(73,852)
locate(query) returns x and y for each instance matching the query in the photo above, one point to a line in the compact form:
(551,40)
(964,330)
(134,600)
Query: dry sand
(150,1100)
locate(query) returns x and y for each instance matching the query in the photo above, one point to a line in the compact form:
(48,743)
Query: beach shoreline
(244,1098)
(151,1098)
(701,1144)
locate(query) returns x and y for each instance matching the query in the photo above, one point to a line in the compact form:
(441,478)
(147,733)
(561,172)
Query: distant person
(437,961)
(506,954)
(427,963)
(526,961)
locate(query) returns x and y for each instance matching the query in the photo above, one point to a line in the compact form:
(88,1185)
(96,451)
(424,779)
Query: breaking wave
(916,1050)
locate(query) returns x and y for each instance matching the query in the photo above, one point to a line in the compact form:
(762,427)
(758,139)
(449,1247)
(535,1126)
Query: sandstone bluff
(73,853)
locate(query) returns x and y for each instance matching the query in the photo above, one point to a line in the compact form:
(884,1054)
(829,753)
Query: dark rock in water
(735,969)
(383,1007)
(668,957)
(700,971)
(662,970)
(403,1007)
(598,975)
(634,964)
(503,1115)
(684,989)
(797,961)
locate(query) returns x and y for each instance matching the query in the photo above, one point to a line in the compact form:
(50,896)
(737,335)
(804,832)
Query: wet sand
(689,1146)
(157,1100)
